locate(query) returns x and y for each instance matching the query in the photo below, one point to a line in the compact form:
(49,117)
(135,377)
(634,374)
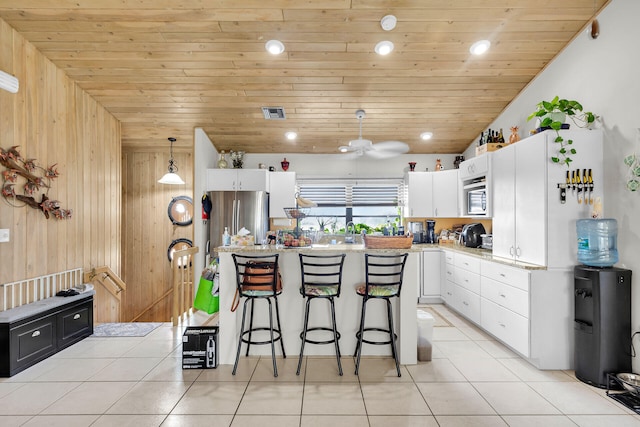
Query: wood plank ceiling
(163,67)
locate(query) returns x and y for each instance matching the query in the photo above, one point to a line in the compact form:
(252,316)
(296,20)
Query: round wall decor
(178,245)
(180,210)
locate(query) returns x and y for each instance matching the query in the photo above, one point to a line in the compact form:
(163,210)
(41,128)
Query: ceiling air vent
(273,113)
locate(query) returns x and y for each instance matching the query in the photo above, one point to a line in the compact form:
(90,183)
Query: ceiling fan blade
(397,147)
(382,154)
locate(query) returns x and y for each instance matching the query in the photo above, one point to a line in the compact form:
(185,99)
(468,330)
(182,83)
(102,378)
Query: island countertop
(347,305)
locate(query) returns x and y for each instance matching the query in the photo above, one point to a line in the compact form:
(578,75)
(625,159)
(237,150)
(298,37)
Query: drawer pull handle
(503,275)
(502,324)
(449,273)
(503,295)
(76,316)
(465,303)
(35,334)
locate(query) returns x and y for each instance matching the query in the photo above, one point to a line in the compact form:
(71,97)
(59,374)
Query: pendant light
(171,177)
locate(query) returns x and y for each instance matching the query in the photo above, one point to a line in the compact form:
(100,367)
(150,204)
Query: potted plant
(553,115)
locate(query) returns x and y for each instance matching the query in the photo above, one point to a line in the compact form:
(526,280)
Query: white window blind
(353,193)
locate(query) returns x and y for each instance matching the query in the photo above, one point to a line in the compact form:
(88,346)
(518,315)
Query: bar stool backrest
(321,270)
(384,271)
(257,273)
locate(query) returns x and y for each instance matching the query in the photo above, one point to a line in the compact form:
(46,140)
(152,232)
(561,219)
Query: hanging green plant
(553,115)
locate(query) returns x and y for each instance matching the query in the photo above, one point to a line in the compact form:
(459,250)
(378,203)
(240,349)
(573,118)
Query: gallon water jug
(597,242)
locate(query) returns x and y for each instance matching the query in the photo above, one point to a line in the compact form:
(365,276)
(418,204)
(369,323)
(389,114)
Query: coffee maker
(417,229)
(430,234)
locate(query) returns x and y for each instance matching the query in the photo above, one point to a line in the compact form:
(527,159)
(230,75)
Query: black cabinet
(25,341)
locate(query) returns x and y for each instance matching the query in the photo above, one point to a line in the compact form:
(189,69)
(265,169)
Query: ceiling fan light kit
(381,150)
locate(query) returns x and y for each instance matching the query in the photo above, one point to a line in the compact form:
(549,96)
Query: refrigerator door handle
(233,217)
(237,219)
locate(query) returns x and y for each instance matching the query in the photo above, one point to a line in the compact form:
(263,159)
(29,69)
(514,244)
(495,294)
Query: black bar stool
(383,281)
(321,278)
(258,278)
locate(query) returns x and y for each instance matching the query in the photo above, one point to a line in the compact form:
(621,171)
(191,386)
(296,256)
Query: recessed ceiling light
(388,22)
(480,47)
(425,136)
(291,135)
(274,47)
(343,149)
(384,47)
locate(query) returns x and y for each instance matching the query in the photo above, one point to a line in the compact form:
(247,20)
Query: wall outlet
(4,235)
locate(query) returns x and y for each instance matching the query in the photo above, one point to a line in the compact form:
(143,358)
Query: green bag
(205,300)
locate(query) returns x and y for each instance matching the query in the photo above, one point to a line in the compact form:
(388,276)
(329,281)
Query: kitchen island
(348,305)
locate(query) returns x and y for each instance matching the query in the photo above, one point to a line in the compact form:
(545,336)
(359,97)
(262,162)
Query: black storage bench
(35,331)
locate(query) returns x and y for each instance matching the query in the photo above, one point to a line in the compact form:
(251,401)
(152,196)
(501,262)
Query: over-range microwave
(477,201)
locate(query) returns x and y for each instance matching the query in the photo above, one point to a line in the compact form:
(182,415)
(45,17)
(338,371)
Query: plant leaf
(555,160)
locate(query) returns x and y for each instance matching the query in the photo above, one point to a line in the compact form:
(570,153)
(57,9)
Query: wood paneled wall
(55,122)
(147,230)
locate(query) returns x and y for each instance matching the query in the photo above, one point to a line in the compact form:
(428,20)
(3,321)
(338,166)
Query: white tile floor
(471,381)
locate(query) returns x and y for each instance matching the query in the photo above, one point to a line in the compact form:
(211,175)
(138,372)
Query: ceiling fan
(381,150)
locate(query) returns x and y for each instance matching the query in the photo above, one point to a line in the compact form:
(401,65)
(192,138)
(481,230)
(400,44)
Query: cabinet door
(282,193)
(419,194)
(475,166)
(504,187)
(445,194)
(430,274)
(222,179)
(253,180)
(531,201)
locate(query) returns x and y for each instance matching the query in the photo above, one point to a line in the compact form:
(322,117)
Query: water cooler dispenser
(602,323)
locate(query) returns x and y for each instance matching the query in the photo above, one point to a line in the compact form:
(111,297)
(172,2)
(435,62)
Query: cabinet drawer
(509,327)
(448,257)
(467,262)
(74,323)
(467,279)
(467,303)
(447,292)
(32,341)
(517,277)
(507,296)
(449,272)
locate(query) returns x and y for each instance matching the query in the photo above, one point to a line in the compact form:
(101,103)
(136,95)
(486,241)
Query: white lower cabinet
(506,325)
(447,283)
(529,310)
(467,303)
(429,291)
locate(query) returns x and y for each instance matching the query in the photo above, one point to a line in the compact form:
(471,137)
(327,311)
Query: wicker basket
(388,242)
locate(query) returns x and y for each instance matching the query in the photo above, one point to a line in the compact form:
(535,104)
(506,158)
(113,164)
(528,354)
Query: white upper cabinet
(282,193)
(432,194)
(445,194)
(237,180)
(530,221)
(419,198)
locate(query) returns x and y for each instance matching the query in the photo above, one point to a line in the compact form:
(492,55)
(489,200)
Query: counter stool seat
(321,279)
(383,281)
(258,279)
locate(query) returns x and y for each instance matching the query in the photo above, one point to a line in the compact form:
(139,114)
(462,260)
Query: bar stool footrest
(386,331)
(319,328)
(276,336)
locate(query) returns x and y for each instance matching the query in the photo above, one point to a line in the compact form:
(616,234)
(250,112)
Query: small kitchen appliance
(417,229)
(430,235)
(471,236)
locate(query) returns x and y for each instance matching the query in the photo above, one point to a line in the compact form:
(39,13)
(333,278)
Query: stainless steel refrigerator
(237,209)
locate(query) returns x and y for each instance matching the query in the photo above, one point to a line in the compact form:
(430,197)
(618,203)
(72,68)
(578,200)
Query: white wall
(205,157)
(601,74)
(348,165)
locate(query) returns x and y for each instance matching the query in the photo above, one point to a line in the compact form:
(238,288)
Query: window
(373,202)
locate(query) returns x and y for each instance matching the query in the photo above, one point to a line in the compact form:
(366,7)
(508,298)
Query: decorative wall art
(35,181)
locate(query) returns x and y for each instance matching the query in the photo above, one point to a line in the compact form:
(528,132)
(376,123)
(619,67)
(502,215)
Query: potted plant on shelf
(553,115)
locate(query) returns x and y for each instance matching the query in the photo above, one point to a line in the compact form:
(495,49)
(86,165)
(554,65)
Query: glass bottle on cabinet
(222,161)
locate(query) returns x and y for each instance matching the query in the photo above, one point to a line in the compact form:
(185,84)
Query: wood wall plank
(53,121)
(148,231)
